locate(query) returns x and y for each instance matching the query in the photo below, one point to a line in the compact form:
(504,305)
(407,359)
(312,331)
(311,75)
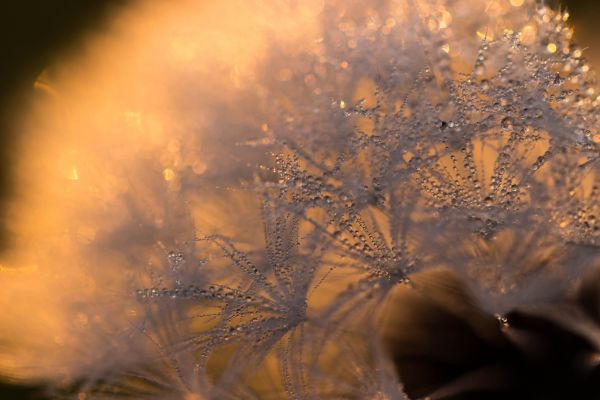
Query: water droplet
(507,123)
(488,201)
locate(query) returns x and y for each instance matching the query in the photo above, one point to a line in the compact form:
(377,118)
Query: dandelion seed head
(254,182)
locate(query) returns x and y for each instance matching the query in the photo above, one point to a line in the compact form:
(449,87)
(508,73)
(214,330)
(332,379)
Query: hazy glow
(170,107)
(114,131)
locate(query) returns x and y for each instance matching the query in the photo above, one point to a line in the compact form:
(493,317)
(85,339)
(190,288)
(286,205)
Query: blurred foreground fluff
(312,199)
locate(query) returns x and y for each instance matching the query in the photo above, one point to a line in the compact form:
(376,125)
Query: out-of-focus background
(585,15)
(34,34)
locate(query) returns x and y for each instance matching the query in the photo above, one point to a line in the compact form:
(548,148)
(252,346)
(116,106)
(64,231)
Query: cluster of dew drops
(512,145)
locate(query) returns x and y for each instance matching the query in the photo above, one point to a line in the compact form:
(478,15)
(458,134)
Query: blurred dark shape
(33,33)
(585,15)
(13,391)
(446,347)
